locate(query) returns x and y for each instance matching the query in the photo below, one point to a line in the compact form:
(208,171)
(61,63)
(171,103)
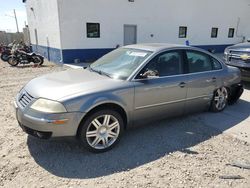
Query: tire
(220,99)
(101,131)
(4,57)
(38,60)
(235,93)
(13,61)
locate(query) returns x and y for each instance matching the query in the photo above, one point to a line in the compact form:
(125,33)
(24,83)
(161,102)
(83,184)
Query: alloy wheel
(220,98)
(103,131)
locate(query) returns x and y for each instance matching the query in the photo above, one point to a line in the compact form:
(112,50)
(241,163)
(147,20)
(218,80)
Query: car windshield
(120,63)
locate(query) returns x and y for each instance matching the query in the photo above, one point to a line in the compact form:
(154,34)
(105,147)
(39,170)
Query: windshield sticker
(138,54)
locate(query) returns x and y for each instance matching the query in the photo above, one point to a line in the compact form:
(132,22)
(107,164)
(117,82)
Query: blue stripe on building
(52,54)
(89,55)
(216,48)
(84,55)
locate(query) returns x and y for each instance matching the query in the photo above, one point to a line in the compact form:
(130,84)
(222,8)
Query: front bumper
(244,68)
(41,125)
(245,74)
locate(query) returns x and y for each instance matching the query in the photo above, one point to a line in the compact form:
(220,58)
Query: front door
(130,34)
(163,95)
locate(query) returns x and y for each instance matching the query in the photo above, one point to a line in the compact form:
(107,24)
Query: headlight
(226,52)
(48,106)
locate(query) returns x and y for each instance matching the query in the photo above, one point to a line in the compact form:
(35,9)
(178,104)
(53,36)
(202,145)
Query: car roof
(154,47)
(157,47)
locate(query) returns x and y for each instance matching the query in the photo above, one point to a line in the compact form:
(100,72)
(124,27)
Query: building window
(93,30)
(231,33)
(214,32)
(182,32)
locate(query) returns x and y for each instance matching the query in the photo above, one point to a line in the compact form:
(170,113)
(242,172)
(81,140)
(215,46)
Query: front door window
(165,64)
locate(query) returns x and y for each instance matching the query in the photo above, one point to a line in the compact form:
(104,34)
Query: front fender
(13,56)
(85,103)
(95,101)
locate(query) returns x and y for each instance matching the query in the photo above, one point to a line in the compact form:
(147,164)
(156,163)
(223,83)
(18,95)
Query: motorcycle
(22,57)
(6,52)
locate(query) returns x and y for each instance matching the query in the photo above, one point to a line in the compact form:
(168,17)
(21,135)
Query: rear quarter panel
(232,76)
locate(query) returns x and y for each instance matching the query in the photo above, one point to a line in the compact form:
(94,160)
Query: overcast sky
(7,21)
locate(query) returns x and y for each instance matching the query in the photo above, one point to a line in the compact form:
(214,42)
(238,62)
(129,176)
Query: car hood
(56,86)
(241,47)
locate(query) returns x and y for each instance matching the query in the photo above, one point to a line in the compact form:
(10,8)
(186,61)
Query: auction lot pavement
(190,151)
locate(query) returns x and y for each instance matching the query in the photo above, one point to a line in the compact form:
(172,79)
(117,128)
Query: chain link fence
(6,38)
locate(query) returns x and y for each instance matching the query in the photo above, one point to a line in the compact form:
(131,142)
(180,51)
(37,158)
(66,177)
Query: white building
(64,30)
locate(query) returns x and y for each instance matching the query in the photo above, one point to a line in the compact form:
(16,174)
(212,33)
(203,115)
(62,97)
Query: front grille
(237,54)
(25,99)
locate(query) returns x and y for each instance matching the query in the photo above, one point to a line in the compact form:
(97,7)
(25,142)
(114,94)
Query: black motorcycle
(22,57)
(6,52)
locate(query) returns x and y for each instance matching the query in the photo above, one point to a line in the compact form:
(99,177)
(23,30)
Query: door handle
(182,84)
(212,79)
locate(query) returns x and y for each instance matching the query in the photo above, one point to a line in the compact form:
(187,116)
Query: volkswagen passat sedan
(130,85)
(239,56)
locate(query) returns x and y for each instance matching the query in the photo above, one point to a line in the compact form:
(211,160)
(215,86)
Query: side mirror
(248,40)
(211,51)
(150,74)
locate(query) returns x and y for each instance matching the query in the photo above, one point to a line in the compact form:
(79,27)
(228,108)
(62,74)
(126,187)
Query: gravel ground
(181,152)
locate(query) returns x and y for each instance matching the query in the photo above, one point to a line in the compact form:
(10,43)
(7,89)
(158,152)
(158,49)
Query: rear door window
(216,64)
(198,62)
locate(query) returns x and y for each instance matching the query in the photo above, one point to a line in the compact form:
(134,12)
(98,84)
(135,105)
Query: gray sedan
(131,85)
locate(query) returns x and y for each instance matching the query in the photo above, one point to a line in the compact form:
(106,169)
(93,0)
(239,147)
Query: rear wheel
(4,56)
(13,61)
(220,100)
(101,131)
(38,60)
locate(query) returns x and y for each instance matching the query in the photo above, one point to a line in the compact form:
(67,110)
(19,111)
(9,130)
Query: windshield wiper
(100,72)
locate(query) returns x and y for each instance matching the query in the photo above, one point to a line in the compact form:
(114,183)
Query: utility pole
(16,21)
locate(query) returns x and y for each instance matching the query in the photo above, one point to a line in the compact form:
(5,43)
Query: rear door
(203,77)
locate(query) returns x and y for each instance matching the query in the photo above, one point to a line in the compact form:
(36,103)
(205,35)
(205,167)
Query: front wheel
(13,61)
(220,100)
(101,131)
